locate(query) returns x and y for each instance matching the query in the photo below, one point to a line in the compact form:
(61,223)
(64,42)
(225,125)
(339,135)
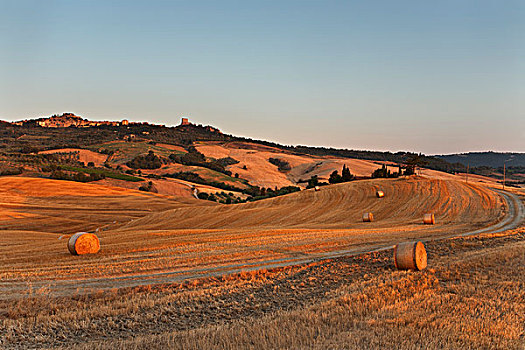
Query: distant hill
(489,159)
(70,131)
(172,159)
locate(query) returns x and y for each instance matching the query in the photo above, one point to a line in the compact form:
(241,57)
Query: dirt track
(196,239)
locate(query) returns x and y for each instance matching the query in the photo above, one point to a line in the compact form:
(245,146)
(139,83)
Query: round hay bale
(380,194)
(428,219)
(83,243)
(368,217)
(410,256)
(317,188)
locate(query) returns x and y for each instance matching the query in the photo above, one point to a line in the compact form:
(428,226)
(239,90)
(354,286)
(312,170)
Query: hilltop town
(67,120)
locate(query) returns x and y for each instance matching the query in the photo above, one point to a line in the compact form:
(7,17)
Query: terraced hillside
(149,238)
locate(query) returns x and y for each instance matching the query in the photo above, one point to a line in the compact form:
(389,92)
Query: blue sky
(427,76)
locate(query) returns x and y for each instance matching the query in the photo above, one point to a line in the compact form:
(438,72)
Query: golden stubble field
(149,238)
(168,269)
(471,297)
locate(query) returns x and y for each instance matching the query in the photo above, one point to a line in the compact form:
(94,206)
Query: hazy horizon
(436,78)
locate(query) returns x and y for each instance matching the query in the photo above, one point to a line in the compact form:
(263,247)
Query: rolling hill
(487,159)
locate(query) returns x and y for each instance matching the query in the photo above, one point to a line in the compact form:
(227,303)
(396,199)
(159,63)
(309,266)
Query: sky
(427,76)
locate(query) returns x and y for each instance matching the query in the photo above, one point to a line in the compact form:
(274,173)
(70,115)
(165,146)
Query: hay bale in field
(428,219)
(368,217)
(83,243)
(410,256)
(317,188)
(380,194)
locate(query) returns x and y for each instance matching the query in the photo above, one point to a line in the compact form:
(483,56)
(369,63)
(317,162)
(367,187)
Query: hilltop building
(63,121)
(67,120)
(212,129)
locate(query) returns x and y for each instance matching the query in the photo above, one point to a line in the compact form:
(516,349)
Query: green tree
(346,175)
(335,178)
(314,181)
(380,173)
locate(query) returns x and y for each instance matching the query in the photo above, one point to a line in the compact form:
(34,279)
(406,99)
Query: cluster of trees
(93,173)
(192,157)
(27,149)
(154,176)
(49,158)
(11,171)
(226,161)
(196,178)
(257,193)
(383,172)
(345,176)
(334,178)
(196,158)
(149,161)
(254,193)
(148,187)
(106,151)
(76,176)
(282,165)
(221,197)
(48,168)
(313,182)
(409,170)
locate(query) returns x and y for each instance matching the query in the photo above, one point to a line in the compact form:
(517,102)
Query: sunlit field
(293,271)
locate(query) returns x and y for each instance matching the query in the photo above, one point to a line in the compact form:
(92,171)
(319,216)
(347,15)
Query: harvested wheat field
(471,297)
(148,238)
(184,269)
